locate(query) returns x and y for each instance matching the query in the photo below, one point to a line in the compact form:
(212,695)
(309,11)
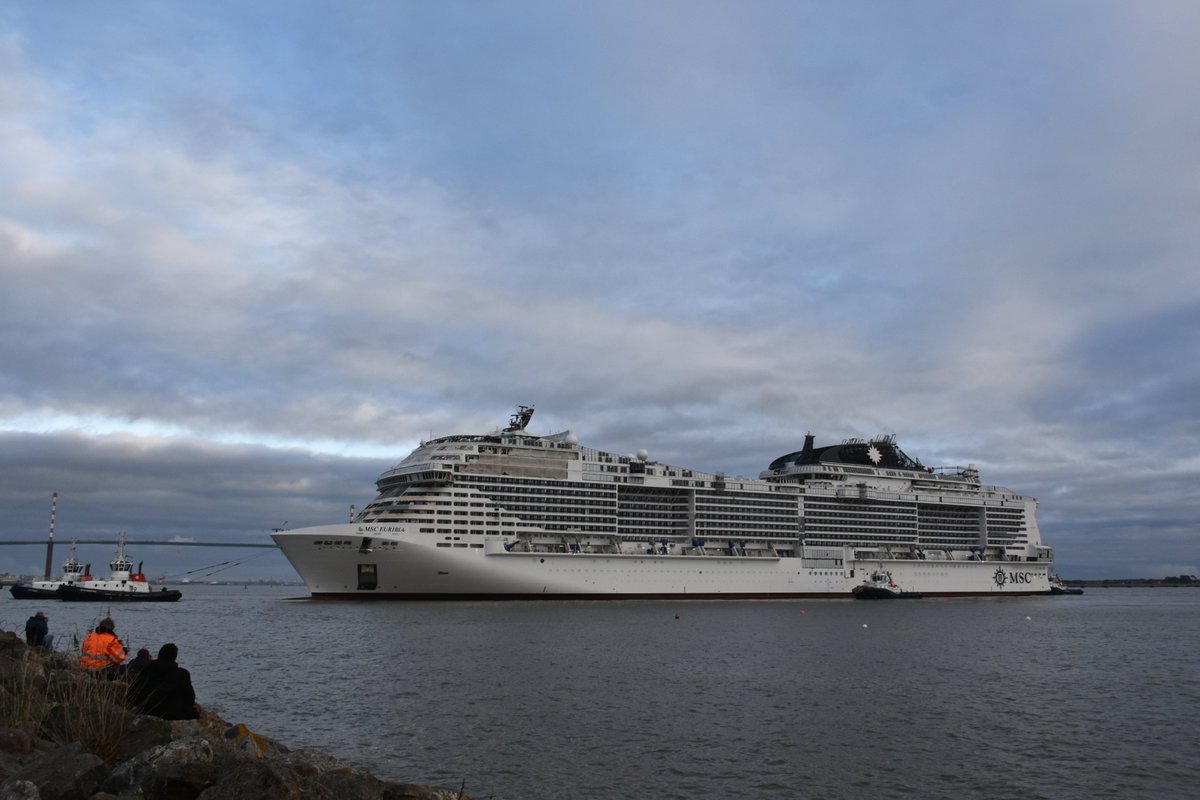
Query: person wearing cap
(102,650)
(37,631)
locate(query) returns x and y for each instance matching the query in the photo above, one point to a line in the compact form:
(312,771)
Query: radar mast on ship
(519,420)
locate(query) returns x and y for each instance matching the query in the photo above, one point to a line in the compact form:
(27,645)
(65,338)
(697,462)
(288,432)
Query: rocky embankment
(64,735)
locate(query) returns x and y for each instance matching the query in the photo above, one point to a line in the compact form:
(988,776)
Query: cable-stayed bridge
(174,542)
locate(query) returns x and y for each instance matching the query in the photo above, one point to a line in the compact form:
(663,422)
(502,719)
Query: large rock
(48,699)
(179,770)
(253,743)
(67,773)
(21,790)
(19,746)
(347,783)
(10,642)
(140,734)
(264,779)
(310,762)
(413,791)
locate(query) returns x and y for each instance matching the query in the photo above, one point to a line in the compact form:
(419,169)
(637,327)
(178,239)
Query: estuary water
(1088,696)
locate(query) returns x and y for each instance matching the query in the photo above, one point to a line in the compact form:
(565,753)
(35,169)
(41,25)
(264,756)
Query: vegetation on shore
(69,734)
(47,695)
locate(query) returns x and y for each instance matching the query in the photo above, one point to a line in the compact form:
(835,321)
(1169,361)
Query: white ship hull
(513,515)
(355,561)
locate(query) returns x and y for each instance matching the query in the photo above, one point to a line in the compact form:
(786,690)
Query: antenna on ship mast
(50,541)
(519,420)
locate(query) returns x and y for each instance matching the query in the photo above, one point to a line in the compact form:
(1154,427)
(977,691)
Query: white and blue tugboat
(122,585)
(73,572)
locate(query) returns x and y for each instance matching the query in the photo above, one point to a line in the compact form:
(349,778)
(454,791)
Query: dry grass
(51,697)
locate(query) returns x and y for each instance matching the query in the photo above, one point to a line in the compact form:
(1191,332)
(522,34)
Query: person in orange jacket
(102,650)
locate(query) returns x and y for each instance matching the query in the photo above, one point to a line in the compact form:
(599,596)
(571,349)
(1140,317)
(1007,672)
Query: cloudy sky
(252,253)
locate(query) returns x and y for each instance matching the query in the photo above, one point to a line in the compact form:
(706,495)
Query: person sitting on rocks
(134,672)
(138,663)
(167,687)
(37,631)
(103,653)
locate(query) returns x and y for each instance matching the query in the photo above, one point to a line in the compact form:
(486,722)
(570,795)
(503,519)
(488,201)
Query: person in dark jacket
(167,687)
(139,663)
(137,681)
(37,631)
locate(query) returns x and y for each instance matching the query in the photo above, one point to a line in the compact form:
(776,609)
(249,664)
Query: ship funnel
(808,444)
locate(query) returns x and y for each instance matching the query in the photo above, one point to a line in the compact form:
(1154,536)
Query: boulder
(21,790)
(68,727)
(309,762)
(10,642)
(413,791)
(18,746)
(264,779)
(140,734)
(253,743)
(66,773)
(352,784)
(178,770)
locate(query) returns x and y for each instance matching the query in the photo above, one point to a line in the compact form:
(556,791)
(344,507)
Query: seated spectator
(167,687)
(137,683)
(139,663)
(37,631)
(102,652)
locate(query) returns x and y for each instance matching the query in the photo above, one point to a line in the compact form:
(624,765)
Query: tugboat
(73,573)
(123,584)
(1058,587)
(880,586)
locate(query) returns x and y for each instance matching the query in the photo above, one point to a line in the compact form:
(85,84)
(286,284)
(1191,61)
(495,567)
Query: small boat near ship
(73,573)
(1058,586)
(880,586)
(122,585)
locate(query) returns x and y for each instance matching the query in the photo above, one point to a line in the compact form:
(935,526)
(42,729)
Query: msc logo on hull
(1001,577)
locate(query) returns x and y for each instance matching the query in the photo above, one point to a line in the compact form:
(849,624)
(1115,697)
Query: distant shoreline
(9,580)
(1134,583)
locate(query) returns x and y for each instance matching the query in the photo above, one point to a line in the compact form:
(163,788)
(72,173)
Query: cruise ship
(517,516)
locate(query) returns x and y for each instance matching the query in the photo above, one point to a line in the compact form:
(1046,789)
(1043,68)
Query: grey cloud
(156,490)
(703,238)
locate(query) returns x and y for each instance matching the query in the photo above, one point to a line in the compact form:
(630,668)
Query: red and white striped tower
(50,541)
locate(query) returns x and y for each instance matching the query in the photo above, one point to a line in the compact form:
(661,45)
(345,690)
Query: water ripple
(1076,697)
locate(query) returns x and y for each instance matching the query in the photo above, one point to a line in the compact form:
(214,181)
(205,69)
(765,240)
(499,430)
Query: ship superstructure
(512,514)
